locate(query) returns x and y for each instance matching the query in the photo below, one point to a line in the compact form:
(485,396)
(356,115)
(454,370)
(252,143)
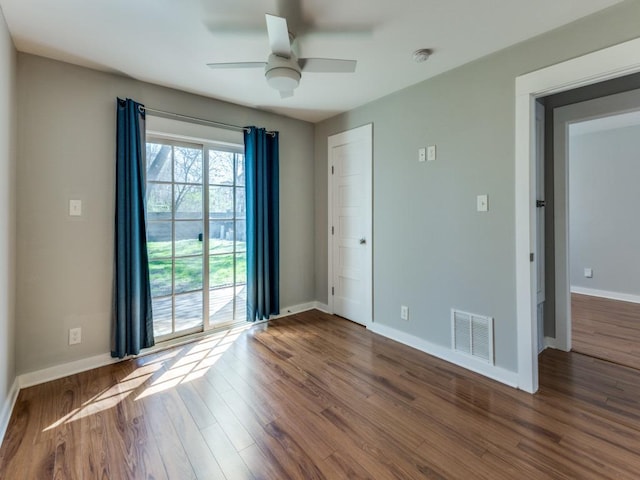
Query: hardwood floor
(312,396)
(606,329)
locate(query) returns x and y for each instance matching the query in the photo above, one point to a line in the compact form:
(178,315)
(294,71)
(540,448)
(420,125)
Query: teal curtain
(132,326)
(263,236)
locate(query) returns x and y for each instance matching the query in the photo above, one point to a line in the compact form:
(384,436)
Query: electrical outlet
(75,336)
(404,312)
(422,154)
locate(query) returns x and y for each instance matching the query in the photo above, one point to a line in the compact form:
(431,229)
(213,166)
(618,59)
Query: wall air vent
(472,334)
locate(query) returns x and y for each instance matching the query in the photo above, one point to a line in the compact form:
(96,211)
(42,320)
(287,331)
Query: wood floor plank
(202,459)
(340,465)
(197,408)
(68,443)
(174,456)
(607,329)
(263,465)
(249,388)
(275,441)
(96,464)
(227,420)
(226,455)
(25,424)
(371,441)
(316,396)
(17,433)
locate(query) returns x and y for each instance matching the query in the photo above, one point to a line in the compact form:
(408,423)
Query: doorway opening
(594,263)
(607,64)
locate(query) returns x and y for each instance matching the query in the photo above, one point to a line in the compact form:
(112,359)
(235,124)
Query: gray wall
(7,212)
(604,168)
(432,251)
(66,131)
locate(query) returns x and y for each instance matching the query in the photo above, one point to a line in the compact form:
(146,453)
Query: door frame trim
(369,128)
(612,62)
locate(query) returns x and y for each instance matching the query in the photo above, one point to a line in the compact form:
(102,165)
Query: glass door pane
(175,237)
(227,267)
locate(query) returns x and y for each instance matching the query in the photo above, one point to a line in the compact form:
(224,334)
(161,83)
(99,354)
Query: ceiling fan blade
(286,94)
(236,65)
(327,65)
(278,35)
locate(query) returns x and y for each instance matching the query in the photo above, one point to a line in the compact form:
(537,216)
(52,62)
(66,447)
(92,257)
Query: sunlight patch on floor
(163,372)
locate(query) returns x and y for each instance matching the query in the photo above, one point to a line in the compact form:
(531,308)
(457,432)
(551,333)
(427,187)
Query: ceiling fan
(283,69)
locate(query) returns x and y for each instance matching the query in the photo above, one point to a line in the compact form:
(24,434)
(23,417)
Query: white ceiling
(168,42)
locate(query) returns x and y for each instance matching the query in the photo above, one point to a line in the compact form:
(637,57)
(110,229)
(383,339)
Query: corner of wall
(8,159)
(7,408)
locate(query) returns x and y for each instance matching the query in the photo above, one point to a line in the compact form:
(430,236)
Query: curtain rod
(203,120)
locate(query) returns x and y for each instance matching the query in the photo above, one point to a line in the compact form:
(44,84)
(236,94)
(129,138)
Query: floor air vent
(472,334)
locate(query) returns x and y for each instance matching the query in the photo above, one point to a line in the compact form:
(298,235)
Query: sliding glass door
(188,256)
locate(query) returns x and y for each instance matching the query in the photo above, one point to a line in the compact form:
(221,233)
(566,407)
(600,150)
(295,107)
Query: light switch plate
(588,272)
(483,203)
(422,154)
(75,208)
(431,153)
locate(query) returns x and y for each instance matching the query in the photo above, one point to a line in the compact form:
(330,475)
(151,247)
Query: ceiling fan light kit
(282,74)
(283,80)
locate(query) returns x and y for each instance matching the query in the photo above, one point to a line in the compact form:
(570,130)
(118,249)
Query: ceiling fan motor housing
(282,74)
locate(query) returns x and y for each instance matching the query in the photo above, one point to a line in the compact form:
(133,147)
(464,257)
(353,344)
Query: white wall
(66,130)
(432,250)
(604,206)
(7,219)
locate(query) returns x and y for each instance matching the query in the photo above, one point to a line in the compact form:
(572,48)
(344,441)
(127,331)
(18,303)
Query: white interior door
(540,203)
(350,224)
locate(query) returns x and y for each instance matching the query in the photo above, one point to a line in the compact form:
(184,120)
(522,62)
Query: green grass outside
(188,271)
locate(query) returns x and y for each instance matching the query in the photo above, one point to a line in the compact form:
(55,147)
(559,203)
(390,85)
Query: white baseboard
(7,408)
(292,310)
(623,297)
(323,307)
(58,371)
(496,373)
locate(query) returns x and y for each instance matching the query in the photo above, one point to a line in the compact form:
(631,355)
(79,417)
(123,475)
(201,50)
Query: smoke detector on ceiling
(422,55)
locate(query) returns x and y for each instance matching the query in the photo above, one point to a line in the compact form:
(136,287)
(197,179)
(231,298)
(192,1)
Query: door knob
(363,241)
